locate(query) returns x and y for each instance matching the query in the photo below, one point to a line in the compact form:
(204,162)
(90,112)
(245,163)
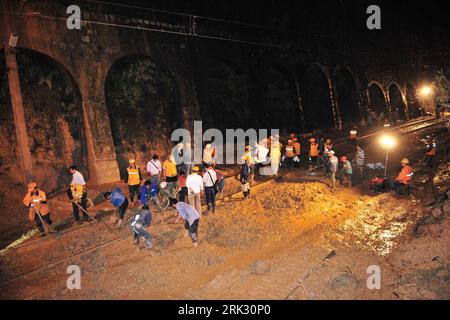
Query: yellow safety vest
(77,191)
(133,176)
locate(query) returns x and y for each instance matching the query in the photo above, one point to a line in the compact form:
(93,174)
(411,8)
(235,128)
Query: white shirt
(78,179)
(194,183)
(208,155)
(154,167)
(209,180)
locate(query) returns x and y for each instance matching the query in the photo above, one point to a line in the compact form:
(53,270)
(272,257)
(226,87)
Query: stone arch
(56,141)
(281,100)
(398,106)
(316,99)
(143,103)
(377,99)
(347,96)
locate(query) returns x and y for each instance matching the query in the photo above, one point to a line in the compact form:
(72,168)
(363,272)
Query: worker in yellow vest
(39,212)
(77,194)
(133,179)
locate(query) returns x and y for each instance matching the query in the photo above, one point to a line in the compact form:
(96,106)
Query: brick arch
(347,96)
(396,101)
(377,98)
(317,95)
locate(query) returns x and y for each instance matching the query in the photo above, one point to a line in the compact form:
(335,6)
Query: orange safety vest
(34,202)
(405,175)
(314,150)
(133,176)
(289,151)
(297,147)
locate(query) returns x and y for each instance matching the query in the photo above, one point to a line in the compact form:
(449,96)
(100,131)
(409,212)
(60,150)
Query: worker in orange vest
(297,151)
(289,154)
(39,211)
(133,178)
(404,179)
(431,150)
(313,153)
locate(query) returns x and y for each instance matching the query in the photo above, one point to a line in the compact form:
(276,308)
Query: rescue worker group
(180,184)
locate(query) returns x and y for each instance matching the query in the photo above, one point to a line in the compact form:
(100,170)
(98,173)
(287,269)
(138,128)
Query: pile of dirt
(263,218)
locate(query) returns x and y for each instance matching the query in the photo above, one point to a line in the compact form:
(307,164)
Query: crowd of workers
(180,184)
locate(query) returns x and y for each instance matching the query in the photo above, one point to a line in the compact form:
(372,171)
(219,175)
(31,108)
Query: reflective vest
(405,175)
(297,148)
(314,150)
(289,151)
(133,176)
(77,191)
(34,202)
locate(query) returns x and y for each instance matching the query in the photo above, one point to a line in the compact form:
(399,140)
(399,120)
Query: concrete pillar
(15,92)
(102,161)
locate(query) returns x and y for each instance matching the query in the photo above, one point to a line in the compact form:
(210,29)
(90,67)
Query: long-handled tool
(36,210)
(82,209)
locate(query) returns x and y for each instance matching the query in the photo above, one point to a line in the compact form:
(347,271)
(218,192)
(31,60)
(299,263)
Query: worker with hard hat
(297,152)
(430,152)
(77,194)
(39,211)
(333,163)
(346,172)
(289,154)
(313,153)
(404,179)
(194,183)
(133,178)
(171,174)
(353,136)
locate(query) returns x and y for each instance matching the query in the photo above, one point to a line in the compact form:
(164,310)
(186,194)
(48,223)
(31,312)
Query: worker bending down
(138,226)
(36,200)
(402,183)
(120,202)
(190,216)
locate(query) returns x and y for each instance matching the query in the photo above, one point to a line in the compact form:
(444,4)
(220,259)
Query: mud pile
(271,215)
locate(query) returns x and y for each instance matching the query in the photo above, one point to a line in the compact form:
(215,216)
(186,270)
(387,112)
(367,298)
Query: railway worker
(289,154)
(138,225)
(77,194)
(170,173)
(402,183)
(209,181)
(194,183)
(182,194)
(275,155)
(297,152)
(209,154)
(39,211)
(244,178)
(360,161)
(353,136)
(190,216)
(346,172)
(313,153)
(333,163)
(179,155)
(154,169)
(120,202)
(133,179)
(430,152)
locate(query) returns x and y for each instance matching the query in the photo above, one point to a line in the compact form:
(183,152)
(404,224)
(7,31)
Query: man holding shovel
(78,195)
(36,200)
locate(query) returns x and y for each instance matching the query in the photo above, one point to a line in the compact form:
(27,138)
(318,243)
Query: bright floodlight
(387,141)
(425,91)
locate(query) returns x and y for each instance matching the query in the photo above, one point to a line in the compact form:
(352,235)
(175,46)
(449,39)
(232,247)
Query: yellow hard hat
(195,169)
(404,161)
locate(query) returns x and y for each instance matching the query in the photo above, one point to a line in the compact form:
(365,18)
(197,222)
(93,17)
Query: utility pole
(16,100)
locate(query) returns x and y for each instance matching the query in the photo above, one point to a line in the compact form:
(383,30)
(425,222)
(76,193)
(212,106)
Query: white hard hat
(331,152)
(163,184)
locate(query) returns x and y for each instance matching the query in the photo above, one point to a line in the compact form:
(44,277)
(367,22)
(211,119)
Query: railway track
(404,129)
